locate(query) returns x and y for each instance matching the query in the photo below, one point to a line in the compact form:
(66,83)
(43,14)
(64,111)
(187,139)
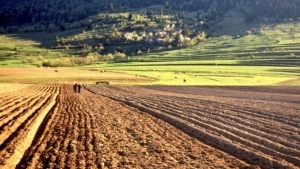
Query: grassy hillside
(236,54)
(19,12)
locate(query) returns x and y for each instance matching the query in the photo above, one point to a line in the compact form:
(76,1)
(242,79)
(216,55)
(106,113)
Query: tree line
(58,11)
(280,9)
(31,11)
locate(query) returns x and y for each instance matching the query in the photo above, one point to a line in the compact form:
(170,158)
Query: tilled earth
(51,126)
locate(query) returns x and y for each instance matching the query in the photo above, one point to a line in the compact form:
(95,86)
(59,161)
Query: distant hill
(279,9)
(18,12)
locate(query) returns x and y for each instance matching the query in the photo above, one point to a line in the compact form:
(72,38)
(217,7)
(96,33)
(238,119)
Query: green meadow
(196,74)
(269,55)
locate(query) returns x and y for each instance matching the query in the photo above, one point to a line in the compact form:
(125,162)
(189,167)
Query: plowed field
(21,114)
(50,126)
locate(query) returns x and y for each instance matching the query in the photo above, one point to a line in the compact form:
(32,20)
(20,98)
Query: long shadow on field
(297,71)
(45,38)
(273,62)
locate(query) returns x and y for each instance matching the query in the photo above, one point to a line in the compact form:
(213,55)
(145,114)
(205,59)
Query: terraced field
(50,126)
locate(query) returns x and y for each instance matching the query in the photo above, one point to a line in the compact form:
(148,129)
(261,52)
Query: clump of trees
(168,35)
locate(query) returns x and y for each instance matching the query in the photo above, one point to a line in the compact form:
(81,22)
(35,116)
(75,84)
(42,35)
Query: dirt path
(91,131)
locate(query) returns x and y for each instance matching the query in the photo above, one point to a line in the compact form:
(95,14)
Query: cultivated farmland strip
(90,131)
(20,128)
(241,127)
(232,133)
(16,103)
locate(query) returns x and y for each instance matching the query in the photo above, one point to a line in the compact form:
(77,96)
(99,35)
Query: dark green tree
(185,30)
(4,31)
(130,17)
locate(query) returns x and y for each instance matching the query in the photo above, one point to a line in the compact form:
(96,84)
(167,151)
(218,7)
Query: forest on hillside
(18,12)
(279,9)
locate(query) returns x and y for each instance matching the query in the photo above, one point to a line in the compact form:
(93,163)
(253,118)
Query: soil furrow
(241,115)
(17,111)
(157,127)
(23,139)
(233,133)
(225,118)
(214,140)
(146,102)
(10,101)
(15,104)
(40,141)
(26,115)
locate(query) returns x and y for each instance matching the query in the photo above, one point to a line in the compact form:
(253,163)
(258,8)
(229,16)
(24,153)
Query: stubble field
(51,126)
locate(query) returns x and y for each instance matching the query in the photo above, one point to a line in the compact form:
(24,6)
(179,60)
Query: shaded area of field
(229,91)
(257,125)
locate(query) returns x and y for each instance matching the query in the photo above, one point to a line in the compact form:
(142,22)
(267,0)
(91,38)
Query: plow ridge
(51,126)
(91,131)
(238,130)
(37,144)
(20,127)
(241,126)
(15,105)
(22,114)
(207,136)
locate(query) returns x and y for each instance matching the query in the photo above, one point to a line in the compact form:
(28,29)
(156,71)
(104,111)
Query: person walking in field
(79,88)
(75,87)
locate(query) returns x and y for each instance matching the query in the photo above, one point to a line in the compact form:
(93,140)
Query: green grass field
(174,73)
(268,56)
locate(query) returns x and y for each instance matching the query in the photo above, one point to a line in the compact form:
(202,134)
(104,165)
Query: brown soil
(65,76)
(21,114)
(258,125)
(47,126)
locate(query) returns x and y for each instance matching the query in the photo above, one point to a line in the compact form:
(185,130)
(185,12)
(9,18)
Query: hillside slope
(31,11)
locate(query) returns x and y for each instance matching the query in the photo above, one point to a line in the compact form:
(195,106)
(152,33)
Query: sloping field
(8,87)
(258,125)
(21,114)
(91,131)
(62,76)
(50,126)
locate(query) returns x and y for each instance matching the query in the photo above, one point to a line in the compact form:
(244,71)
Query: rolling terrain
(167,84)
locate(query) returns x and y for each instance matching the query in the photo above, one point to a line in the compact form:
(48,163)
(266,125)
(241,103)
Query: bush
(139,52)
(38,65)
(59,63)
(119,55)
(29,61)
(94,56)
